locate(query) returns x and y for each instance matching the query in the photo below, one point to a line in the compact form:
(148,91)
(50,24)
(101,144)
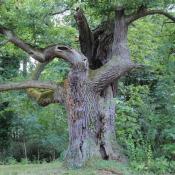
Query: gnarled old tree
(90,87)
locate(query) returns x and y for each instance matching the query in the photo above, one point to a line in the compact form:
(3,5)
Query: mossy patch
(40,94)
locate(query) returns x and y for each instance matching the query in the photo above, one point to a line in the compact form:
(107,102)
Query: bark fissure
(103,152)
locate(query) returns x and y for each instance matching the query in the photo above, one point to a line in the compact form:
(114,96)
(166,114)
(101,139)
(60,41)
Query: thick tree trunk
(118,48)
(111,41)
(91,122)
(83,112)
(110,149)
(92,115)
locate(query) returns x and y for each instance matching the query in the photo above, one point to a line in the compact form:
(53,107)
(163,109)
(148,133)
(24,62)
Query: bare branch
(110,72)
(144,12)
(38,70)
(120,61)
(85,35)
(36,54)
(53,94)
(60,12)
(26,85)
(44,54)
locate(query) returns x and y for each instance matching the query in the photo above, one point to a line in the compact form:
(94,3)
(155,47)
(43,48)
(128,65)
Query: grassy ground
(95,167)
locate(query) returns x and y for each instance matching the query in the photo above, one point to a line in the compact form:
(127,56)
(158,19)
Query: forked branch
(120,61)
(38,70)
(110,72)
(145,12)
(43,54)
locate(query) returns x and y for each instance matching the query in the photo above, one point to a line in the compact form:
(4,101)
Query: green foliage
(6,117)
(9,66)
(43,130)
(56,70)
(145,105)
(145,128)
(100,10)
(11,161)
(145,113)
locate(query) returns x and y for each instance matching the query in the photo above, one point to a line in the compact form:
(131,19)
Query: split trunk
(92,113)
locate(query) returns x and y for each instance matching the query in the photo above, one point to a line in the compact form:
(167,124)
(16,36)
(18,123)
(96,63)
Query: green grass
(95,167)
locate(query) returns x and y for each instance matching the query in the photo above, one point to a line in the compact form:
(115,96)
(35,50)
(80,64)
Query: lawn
(95,167)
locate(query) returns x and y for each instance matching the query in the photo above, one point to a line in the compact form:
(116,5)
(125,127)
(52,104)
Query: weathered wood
(83,111)
(86,37)
(26,85)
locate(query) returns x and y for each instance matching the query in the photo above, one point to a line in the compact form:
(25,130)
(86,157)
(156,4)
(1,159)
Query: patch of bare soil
(109,172)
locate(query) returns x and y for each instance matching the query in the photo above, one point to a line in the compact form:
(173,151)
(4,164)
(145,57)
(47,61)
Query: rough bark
(117,39)
(83,111)
(91,118)
(102,53)
(110,147)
